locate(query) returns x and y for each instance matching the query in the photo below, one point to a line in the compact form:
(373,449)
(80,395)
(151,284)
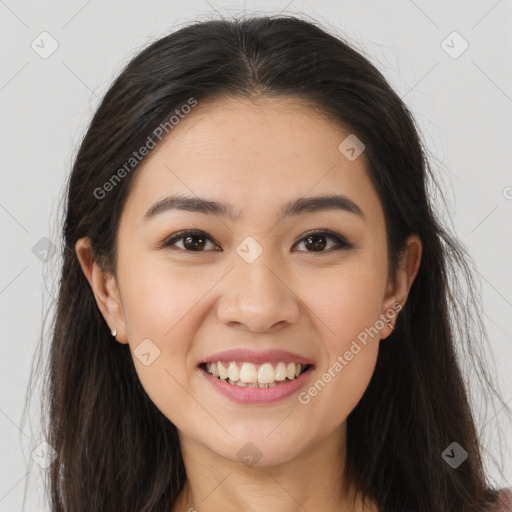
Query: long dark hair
(116,450)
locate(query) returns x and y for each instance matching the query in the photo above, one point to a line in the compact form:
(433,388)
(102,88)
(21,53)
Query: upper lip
(257,357)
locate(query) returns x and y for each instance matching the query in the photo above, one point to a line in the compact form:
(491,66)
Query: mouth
(246,374)
(252,377)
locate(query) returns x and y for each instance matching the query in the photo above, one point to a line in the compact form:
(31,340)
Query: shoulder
(504,502)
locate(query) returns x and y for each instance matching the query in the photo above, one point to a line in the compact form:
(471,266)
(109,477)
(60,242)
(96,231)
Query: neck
(313,480)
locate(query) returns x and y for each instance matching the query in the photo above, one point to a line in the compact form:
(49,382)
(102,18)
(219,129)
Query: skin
(256,155)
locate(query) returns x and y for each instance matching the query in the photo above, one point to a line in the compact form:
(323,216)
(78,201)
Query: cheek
(165,308)
(340,385)
(158,299)
(348,310)
(160,310)
(349,302)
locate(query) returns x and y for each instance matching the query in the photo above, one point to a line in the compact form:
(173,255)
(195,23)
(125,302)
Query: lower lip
(255,395)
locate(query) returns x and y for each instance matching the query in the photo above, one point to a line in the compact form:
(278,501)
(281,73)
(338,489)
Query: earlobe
(104,289)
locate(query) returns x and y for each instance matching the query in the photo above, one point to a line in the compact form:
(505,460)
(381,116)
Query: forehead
(253,154)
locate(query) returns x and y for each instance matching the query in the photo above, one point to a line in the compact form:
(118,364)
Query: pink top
(504,503)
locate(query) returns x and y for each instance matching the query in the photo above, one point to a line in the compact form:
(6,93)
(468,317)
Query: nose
(257,297)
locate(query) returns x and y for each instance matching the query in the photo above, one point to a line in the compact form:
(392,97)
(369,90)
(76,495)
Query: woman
(257,308)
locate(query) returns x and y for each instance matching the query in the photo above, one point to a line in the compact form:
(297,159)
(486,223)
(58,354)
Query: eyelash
(340,241)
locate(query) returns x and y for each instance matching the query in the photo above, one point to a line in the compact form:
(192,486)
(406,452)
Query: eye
(316,240)
(193,241)
(196,241)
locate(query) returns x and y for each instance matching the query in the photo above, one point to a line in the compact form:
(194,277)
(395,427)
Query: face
(255,281)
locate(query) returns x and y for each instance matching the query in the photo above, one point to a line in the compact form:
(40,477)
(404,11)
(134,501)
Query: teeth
(266,374)
(247,374)
(233,371)
(280,371)
(223,373)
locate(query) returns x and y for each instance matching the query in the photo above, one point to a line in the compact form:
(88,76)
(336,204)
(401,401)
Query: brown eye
(316,241)
(193,241)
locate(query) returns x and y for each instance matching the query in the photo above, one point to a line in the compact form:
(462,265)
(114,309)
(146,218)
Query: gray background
(462,103)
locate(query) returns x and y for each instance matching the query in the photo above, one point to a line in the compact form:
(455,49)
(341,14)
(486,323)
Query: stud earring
(114,333)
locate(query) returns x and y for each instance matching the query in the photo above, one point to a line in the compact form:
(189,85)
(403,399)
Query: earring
(114,333)
(391,325)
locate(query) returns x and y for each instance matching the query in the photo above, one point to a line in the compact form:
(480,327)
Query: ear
(397,289)
(104,288)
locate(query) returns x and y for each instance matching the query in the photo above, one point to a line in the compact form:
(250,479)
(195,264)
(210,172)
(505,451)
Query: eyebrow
(299,206)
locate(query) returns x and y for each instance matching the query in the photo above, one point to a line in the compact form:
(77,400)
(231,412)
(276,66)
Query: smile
(238,390)
(246,374)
